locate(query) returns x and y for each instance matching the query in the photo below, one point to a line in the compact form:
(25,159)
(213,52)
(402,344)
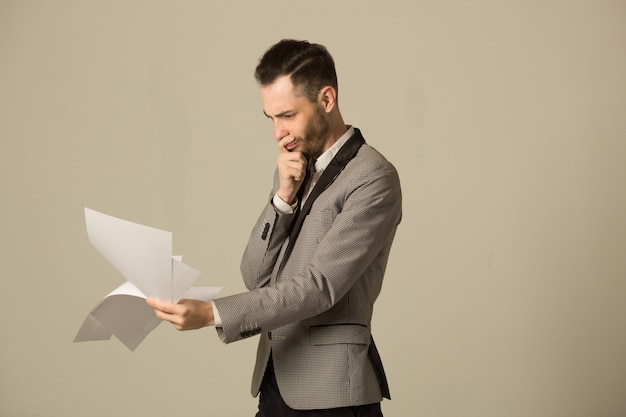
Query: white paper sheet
(143,255)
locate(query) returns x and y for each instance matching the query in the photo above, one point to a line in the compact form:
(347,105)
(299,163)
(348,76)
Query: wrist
(283,207)
(289,199)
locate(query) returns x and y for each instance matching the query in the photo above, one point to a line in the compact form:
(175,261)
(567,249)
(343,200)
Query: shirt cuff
(217,320)
(283,207)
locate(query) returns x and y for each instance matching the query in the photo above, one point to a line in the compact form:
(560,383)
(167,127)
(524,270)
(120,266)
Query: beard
(315,134)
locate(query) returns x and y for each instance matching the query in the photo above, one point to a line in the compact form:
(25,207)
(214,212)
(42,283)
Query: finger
(153,303)
(292,160)
(175,319)
(297,172)
(161,305)
(286,143)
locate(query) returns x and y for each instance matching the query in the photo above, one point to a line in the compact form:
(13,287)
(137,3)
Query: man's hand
(291,169)
(186,315)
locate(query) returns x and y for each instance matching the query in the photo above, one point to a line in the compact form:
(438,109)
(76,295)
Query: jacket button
(266,229)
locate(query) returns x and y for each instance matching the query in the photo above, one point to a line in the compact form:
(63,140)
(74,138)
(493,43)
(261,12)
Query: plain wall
(505,294)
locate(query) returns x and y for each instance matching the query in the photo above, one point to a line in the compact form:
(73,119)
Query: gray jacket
(314,309)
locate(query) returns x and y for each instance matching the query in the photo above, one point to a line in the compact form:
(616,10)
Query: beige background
(505,293)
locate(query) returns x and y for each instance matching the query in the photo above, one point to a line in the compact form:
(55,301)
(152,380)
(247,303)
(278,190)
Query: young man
(316,258)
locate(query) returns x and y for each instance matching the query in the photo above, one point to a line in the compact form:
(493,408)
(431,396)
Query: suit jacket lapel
(338,163)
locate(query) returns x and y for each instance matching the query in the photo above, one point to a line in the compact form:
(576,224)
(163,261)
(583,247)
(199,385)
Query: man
(316,257)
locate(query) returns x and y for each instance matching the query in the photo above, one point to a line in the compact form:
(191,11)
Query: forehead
(280,96)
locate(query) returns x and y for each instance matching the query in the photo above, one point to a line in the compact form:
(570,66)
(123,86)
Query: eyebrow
(281,114)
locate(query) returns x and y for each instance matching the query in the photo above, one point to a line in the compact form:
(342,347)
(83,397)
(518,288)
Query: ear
(327,98)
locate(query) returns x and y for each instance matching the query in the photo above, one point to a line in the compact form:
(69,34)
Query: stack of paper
(143,255)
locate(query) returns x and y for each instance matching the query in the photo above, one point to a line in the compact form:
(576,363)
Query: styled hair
(309,65)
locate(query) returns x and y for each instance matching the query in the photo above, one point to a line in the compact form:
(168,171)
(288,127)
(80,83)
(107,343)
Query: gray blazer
(315,311)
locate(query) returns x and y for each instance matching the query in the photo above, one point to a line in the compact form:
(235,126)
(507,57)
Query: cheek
(300,129)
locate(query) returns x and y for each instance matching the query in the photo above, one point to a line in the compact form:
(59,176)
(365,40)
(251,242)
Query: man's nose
(279,130)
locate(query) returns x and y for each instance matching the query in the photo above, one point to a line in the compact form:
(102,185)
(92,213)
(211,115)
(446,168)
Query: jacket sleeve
(264,245)
(358,239)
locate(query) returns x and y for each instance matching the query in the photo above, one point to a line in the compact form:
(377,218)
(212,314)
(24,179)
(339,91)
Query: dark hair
(309,66)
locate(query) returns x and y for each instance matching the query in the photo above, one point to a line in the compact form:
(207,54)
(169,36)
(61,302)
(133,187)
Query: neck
(336,130)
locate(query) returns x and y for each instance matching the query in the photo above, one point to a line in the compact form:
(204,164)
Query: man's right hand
(186,314)
(292,166)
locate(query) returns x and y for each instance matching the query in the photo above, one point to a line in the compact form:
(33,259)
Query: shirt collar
(325,158)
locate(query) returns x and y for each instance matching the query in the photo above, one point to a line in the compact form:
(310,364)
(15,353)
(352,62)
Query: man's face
(303,123)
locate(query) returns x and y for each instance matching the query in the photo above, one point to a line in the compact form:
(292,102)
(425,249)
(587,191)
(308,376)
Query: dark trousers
(271,403)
